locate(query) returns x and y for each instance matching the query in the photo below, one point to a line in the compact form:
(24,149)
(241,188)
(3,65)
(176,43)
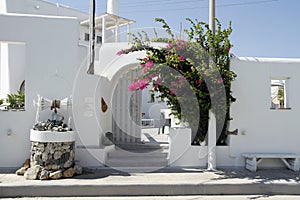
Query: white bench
(289,159)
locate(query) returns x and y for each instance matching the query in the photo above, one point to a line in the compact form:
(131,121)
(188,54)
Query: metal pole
(212,130)
(92,36)
(212,15)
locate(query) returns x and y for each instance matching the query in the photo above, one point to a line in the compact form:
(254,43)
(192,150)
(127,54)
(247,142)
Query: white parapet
(52,136)
(180,141)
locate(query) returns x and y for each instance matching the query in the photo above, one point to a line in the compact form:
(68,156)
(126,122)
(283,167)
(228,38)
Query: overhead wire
(202,7)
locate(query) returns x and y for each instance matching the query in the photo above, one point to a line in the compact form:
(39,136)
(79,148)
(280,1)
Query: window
(279,96)
(86,37)
(99,40)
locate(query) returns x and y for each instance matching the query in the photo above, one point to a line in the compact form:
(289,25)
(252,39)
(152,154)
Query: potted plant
(16,101)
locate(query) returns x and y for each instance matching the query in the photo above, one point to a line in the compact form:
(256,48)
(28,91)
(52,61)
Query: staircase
(138,157)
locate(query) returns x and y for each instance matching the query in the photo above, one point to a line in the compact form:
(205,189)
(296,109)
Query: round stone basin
(52,136)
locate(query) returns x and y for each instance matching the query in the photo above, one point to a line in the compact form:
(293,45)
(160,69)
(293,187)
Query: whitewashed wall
(12,67)
(40,7)
(260,128)
(51,66)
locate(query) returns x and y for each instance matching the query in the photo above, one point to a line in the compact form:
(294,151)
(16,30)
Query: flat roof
(263,59)
(111,21)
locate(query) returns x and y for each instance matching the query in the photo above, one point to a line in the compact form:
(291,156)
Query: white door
(126,107)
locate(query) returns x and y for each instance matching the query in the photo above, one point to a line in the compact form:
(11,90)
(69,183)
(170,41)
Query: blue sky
(261,28)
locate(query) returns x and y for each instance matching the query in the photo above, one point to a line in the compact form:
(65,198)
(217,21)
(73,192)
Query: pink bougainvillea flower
(179,47)
(173,91)
(169,46)
(153,75)
(198,82)
(120,52)
(149,64)
(158,81)
(181,80)
(174,84)
(133,86)
(220,80)
(181,58)
(143,83)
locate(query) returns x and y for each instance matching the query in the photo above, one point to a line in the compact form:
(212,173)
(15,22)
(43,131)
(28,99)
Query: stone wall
(52,155)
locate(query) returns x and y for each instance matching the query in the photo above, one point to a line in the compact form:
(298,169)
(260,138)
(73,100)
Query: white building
(45,45)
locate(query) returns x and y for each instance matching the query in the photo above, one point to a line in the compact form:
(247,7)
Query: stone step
(138,154)
(139,146)
(137,162)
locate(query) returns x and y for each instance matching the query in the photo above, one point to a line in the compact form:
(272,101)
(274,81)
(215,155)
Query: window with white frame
(279,94)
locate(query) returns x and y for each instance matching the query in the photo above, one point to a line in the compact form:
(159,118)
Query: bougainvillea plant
(200,63)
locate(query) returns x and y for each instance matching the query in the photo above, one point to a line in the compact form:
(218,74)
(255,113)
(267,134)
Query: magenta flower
(133,86)
(181,58)
(169,46)
(153,75)
(174,84)
(179,47)
(158,81)
(143,83)
(173,91)
(220,80)
(198,82)
(120,52)
(181,80)
(149,64)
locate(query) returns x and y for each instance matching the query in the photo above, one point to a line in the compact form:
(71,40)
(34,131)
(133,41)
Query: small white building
(46,45)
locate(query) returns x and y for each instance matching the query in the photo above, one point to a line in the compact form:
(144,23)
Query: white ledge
(52,136)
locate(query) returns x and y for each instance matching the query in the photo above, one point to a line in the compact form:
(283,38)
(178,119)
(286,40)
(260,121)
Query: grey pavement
(169,182)
(227,197)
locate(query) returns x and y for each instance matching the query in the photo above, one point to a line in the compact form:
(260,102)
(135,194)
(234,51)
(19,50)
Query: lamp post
(212,129)
(92,37)
(212,15)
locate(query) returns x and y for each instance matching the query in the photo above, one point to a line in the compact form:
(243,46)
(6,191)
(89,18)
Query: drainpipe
(92,36)
(212,128)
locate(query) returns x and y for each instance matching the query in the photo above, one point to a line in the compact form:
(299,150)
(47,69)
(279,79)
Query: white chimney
(113,7)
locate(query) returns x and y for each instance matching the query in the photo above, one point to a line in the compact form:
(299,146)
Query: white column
(103,29)
(4,71)
(212,134)
(128,31)
(117,31)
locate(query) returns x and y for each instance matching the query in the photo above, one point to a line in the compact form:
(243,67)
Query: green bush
(16,100)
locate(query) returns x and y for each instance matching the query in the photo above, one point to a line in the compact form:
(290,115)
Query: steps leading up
(138,156)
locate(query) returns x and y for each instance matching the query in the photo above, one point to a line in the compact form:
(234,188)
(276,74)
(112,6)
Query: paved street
(229,197)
